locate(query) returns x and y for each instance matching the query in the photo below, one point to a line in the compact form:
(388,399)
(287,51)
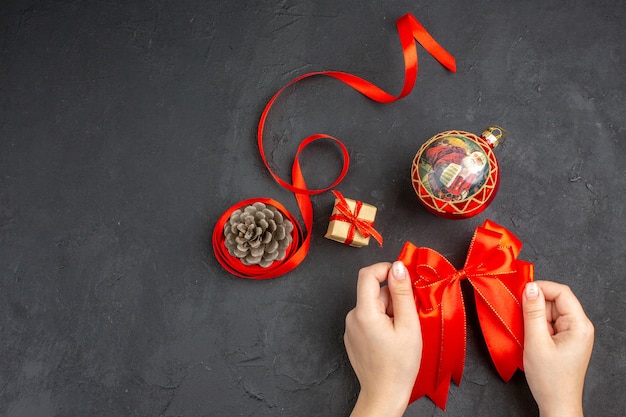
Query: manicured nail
(399,270)
(532,291)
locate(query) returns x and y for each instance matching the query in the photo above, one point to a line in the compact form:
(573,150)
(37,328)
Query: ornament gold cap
(494,135)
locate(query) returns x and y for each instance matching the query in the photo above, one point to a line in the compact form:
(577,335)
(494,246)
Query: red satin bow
(498,279)
(365,227)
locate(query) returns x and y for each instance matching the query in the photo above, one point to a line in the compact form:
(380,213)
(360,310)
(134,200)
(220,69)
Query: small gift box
(352,222)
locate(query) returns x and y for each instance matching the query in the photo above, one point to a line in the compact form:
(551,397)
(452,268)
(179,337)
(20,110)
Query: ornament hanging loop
(494,135)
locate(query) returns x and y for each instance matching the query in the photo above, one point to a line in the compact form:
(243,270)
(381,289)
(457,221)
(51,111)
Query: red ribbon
(498,279)
(234,265)
(365,227)
(409,29)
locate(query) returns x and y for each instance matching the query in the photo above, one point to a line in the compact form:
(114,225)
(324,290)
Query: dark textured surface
(126,130)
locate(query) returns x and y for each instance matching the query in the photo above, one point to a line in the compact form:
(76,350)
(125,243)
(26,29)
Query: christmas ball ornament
(455,174)
(258,234)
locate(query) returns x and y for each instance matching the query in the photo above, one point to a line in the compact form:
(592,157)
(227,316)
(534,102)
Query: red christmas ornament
(455,174)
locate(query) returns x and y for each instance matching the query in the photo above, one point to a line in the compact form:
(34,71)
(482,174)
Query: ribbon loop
(498,279)
(409,31)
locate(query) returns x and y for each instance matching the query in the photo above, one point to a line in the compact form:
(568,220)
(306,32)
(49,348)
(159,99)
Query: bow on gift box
(498,279)
(344,214)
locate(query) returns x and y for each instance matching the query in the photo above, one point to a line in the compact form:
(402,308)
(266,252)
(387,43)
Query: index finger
(368,285)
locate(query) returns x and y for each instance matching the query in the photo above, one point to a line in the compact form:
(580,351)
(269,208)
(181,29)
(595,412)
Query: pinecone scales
(258,235)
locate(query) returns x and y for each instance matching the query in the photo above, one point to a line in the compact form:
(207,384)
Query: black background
(127,128)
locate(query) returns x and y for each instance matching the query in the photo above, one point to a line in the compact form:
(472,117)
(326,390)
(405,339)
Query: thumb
(535,321)
(401,291)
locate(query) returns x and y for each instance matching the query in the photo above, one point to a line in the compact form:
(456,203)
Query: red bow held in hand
(498,279)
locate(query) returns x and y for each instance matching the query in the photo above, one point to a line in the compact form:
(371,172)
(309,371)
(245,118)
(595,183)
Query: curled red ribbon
(365,227)
(234,265)
(498,279)
(409,30)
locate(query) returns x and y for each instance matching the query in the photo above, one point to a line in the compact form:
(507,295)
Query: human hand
(558,339)
(383,340)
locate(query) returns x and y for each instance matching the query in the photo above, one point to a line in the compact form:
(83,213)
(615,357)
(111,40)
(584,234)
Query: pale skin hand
(383,340)
(384,344)
(558,339)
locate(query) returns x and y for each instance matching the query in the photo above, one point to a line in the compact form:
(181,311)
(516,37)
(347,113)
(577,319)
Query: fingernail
(399,270)
(532,291)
